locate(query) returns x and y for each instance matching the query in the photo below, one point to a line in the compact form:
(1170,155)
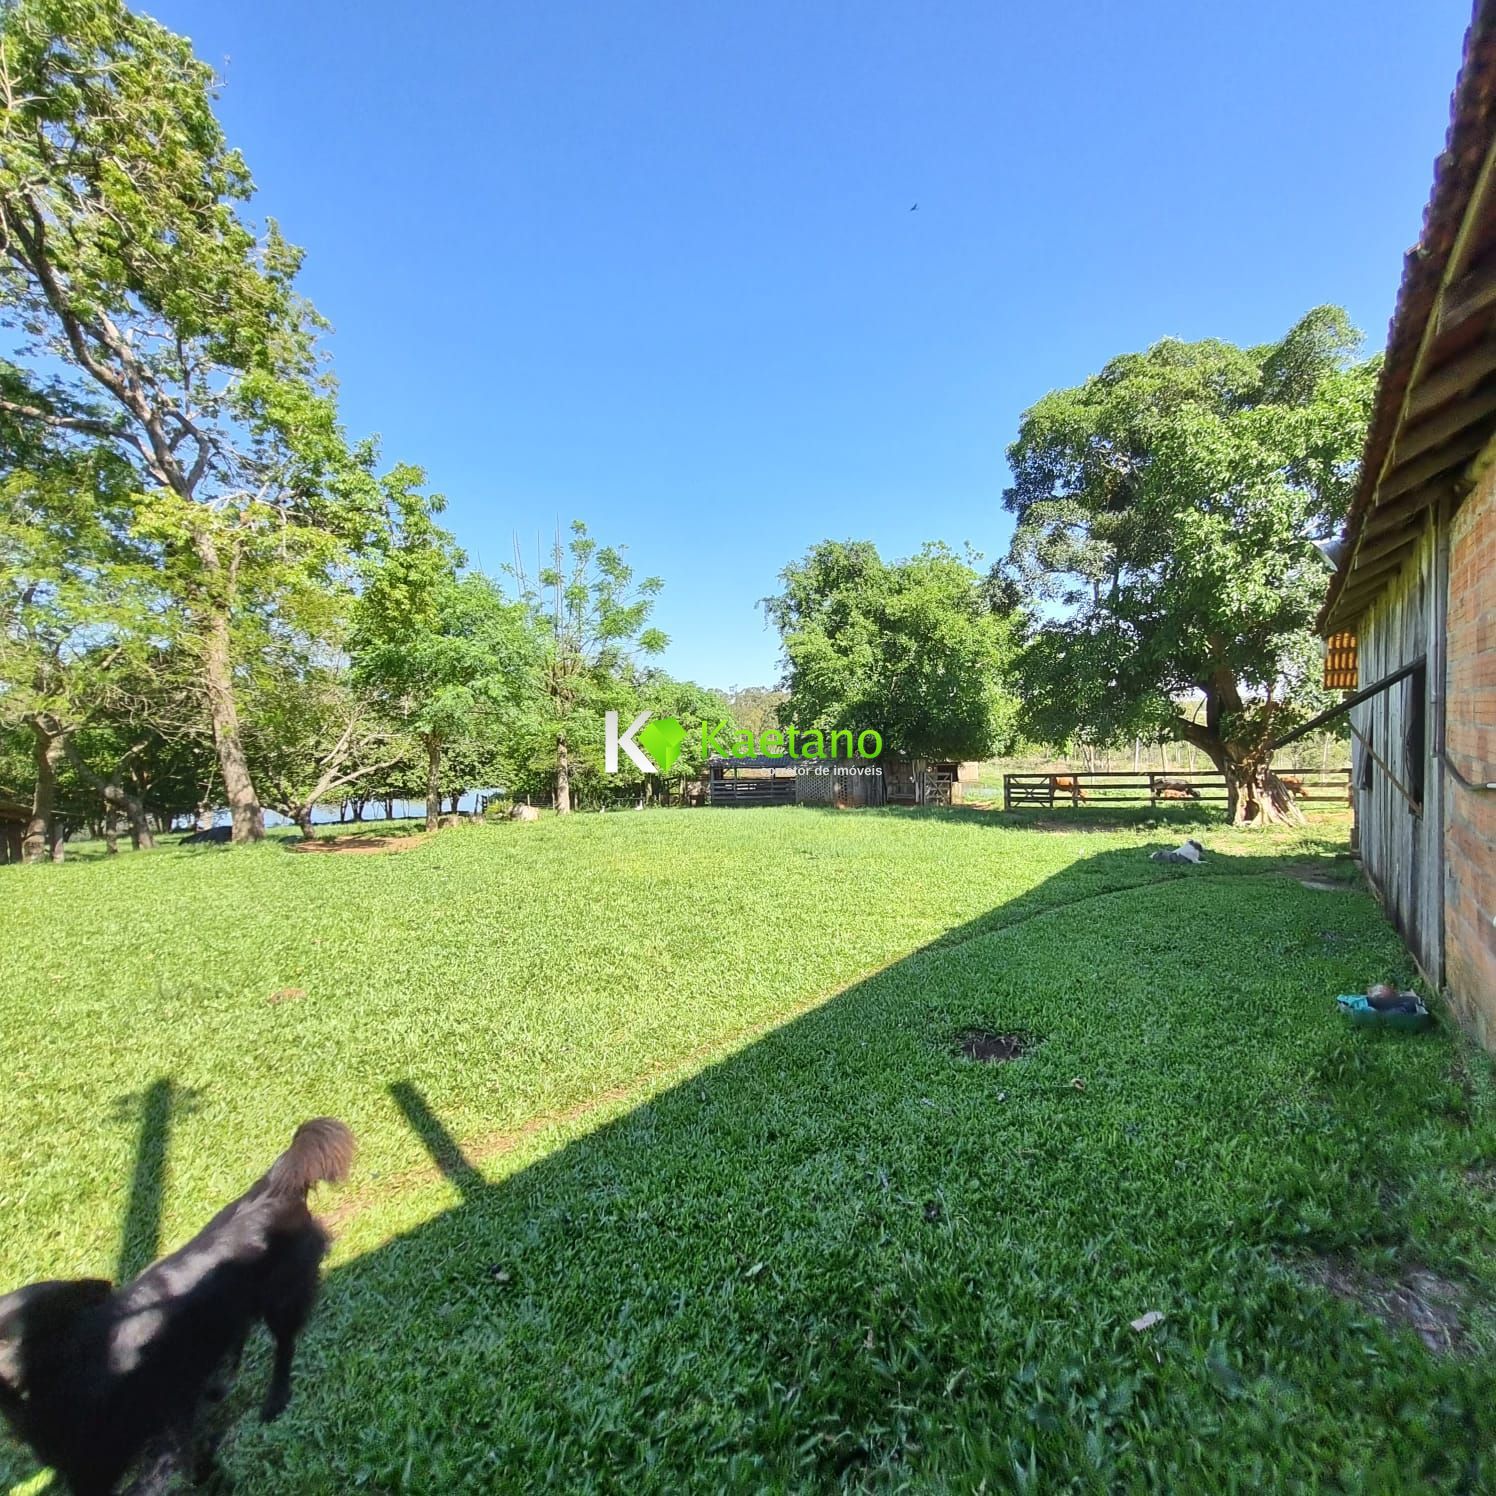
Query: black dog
(90,1375)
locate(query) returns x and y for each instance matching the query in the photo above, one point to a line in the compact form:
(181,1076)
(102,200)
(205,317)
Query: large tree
(440,649)
(312,737)
(913,650)
(755,708)
(81,620)
(148,314)
(592,622)
(1165,511)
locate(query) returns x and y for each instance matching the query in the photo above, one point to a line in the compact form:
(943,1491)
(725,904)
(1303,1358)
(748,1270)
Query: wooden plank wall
(1401,850)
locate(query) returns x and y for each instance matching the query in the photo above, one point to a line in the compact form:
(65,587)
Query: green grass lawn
(671,1178)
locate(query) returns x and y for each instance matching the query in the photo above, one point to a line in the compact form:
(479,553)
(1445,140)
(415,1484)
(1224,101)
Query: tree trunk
(302,815)
(218,677)
(1255,795)
(49,743)
(1253,792)
(111,833)
(433,781)
(118,799)
(389,808)
(140,824)
(563,776)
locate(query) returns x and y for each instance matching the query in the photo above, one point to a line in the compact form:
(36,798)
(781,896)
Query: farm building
(750,781)
(1411,611)
(919,781)
(844,782)
(793,781)
(14,818)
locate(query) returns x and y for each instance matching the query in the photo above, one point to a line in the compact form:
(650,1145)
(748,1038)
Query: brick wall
(1470,742)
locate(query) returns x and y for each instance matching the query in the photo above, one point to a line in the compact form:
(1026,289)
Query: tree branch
(89,425)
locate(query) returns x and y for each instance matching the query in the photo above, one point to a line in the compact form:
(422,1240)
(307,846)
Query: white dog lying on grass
(1191,851)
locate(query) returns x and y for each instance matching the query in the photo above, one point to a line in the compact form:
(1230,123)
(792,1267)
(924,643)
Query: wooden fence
(1160,787)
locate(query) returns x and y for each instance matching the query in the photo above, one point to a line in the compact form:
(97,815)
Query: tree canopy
(443,651)
(910,649)
(591,620)
(1165,513)
(148,314)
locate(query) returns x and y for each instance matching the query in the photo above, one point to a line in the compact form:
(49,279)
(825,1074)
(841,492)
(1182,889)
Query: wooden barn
(1411,611)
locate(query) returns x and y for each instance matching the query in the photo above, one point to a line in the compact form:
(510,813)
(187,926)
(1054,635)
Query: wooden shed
(794,781)
(845,783)
(1411,608)
(14,818)
(926,781)
(750,781)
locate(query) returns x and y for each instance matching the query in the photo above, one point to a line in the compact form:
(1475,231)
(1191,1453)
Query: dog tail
(322,1149)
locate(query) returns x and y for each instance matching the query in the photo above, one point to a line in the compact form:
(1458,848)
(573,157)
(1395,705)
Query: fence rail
(1160,787)
(779,790)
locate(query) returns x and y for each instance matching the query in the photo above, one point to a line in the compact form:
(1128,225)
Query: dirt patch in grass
(990,1048)
(1416,1299)
(325,844)
(1321,877)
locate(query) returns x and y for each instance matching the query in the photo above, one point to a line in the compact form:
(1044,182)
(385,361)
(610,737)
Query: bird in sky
(915,208)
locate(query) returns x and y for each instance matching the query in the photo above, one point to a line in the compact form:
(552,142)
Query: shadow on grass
(354,831)
(1202,818)
(1042,818)
(140,1233)
(438,1142)
(846,1256)
(289,838)
(1104,817)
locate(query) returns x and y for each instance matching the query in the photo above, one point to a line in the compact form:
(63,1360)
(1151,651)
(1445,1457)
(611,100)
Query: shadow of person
(140,1231)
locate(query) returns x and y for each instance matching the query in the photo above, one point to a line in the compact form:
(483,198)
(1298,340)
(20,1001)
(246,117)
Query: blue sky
(654,265)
